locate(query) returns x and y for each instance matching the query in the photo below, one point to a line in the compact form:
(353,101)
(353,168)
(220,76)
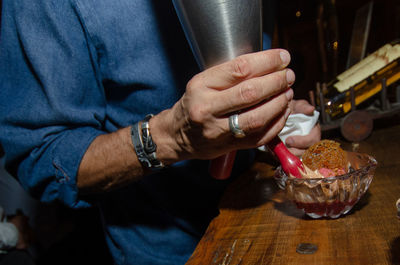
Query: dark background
(299,34)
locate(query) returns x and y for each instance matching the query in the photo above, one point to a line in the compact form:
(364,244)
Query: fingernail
(287,113)
(285,57)
(290,77)
(289,142)
(289,94)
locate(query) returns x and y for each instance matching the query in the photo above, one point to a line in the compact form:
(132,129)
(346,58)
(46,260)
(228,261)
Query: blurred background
(317,33)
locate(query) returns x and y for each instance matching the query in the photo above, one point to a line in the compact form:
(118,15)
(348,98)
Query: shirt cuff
(67,157)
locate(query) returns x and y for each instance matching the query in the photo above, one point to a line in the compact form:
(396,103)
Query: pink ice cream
(327,173)
(320,173)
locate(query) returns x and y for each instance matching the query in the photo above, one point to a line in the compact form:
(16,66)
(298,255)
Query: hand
(197,127)
(25,234)
(298,144)
(257,85)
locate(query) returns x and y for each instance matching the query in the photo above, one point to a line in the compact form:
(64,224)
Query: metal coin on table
(306,248)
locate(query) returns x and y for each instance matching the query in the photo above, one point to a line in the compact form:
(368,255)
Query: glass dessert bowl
(332,196)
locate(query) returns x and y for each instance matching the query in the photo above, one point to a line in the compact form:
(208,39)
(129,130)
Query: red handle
(221,167)
(291,164)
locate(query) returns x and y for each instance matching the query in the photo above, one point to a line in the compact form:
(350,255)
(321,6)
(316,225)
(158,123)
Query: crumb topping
(325,154)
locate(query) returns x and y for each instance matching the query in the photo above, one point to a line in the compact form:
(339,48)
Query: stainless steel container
(220,30)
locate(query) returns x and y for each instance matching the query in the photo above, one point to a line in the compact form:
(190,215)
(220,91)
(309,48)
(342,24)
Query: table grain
(258,225)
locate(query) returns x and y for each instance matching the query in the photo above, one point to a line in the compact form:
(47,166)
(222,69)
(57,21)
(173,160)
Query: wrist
(162,131)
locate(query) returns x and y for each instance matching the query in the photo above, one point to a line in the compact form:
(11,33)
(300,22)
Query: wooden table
(257,225)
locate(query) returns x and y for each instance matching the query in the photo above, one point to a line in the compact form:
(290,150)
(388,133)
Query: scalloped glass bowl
(334,196)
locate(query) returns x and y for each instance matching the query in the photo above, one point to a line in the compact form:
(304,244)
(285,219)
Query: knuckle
(191,85)
(213,131)
(281,80)
(198,113)
(209,134)
(195,83)
(240,67)
(283,103)
(254,122)
(248,93)
(278,82)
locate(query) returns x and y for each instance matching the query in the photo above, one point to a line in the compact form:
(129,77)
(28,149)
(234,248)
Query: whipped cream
(310,174)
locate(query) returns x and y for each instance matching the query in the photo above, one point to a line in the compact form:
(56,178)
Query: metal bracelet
(138,145)
(150,147)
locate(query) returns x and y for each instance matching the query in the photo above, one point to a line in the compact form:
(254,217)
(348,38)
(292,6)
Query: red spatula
(290,163)
(221,167)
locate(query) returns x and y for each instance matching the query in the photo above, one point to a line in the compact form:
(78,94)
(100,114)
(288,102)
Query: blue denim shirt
(75,69)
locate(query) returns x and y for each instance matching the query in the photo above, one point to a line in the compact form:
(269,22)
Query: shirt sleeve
(52,102)
(8,236)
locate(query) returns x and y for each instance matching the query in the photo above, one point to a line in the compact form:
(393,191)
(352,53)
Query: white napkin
(297,124)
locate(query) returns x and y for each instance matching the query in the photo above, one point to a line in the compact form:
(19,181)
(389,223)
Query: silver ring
(234,126)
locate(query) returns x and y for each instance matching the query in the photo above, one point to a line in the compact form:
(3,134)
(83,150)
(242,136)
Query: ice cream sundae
(333,180)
